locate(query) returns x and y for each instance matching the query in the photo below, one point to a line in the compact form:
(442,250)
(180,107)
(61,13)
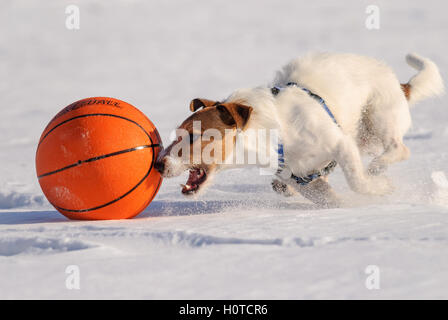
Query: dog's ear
(196,104)
(234,114)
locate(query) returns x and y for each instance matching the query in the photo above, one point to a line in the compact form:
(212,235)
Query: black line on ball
(157,188)
(116,199)
(91,115)
(104,156)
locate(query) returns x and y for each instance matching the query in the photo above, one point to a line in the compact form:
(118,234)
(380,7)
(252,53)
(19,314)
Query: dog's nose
(159,166)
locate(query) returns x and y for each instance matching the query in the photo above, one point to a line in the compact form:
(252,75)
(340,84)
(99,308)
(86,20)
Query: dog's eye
(194,137)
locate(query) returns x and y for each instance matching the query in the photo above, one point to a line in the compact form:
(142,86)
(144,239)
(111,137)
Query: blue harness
(281,154)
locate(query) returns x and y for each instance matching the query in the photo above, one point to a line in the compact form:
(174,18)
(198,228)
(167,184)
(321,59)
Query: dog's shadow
(196,207)
(161,208)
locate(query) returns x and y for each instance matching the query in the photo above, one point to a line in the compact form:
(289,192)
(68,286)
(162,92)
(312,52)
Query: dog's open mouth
(196,177)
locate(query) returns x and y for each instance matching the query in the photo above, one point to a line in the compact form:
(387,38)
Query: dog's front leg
(318,191)
(348,157)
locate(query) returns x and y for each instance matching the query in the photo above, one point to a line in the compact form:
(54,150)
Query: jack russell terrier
(328,109)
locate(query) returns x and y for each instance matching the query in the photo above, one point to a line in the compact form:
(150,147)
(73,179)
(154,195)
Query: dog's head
(203,141)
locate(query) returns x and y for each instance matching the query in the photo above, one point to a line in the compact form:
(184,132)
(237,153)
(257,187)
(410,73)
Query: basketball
(95,160)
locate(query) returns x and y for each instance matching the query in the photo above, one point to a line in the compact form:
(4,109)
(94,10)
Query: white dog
(328,109)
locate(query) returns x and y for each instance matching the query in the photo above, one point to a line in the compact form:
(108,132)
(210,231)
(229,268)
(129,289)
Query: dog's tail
(426,83)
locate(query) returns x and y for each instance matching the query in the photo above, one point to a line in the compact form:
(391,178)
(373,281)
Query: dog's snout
(160,165)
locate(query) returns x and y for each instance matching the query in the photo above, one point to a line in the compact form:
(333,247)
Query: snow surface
(239,240)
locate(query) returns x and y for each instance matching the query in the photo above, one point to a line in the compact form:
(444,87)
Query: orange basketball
(95,160)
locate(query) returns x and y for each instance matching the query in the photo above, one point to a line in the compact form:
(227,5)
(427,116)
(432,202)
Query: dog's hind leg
(389,125)
(394,151)
(348,157)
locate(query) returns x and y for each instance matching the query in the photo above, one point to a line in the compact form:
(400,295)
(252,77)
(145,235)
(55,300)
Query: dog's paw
(376,168)
(281,188)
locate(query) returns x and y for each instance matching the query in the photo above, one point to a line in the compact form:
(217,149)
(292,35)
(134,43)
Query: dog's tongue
(195,178)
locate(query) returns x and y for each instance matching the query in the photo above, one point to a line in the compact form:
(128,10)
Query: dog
(328,109)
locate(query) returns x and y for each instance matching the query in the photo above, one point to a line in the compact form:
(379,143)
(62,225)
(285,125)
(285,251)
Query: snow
(239,240)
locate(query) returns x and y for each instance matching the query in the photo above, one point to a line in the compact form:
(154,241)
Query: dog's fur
(366,98)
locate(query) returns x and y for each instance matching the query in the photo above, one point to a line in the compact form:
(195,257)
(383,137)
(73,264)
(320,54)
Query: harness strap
(276,90)
(302,180)
(321,173)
